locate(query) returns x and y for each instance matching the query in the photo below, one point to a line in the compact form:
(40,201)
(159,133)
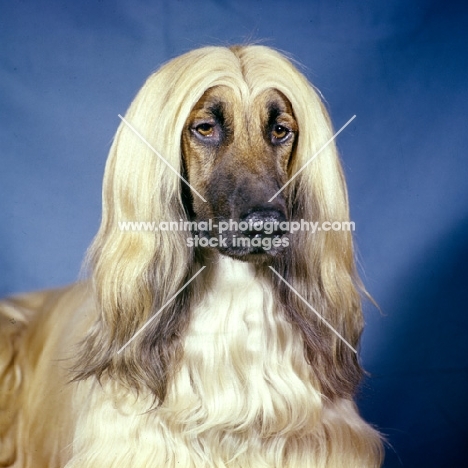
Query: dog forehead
(226,99)
(217,96)
(272,98)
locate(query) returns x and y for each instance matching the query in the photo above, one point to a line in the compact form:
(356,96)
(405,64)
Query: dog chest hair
(244,395)
(242,381)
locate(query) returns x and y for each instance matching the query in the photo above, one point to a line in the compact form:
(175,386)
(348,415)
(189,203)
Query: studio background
(68,68)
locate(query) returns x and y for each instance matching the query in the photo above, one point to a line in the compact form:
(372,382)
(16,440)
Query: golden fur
(236,371)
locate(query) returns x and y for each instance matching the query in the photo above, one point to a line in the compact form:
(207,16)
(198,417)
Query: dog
(229,344)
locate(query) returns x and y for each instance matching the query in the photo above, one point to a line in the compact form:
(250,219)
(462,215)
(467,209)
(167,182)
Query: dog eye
(205,129)
(279,133)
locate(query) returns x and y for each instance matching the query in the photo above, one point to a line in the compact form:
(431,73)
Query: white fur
(242,398)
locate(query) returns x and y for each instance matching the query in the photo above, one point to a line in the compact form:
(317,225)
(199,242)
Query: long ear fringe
(134,273)
(321,268)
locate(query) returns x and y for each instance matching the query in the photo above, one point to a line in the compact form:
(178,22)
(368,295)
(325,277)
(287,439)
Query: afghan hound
(230,343)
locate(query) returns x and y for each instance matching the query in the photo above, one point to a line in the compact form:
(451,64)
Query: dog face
(236,155)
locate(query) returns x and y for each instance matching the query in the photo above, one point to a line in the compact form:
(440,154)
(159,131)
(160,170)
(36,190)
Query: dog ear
(135,272)
(320,266)
(136,268)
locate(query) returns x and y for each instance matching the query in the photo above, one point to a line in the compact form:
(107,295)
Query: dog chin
(257,249)
(252,254)
(251,257)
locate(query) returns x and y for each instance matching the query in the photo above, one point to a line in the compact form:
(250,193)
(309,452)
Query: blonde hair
(134,273)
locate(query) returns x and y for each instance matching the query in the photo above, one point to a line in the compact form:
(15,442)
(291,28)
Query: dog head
(237,124)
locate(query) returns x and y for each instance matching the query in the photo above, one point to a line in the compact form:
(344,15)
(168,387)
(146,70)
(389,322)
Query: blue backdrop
(68,68)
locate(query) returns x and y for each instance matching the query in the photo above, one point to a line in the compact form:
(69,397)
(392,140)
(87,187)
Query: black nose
(263,223)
